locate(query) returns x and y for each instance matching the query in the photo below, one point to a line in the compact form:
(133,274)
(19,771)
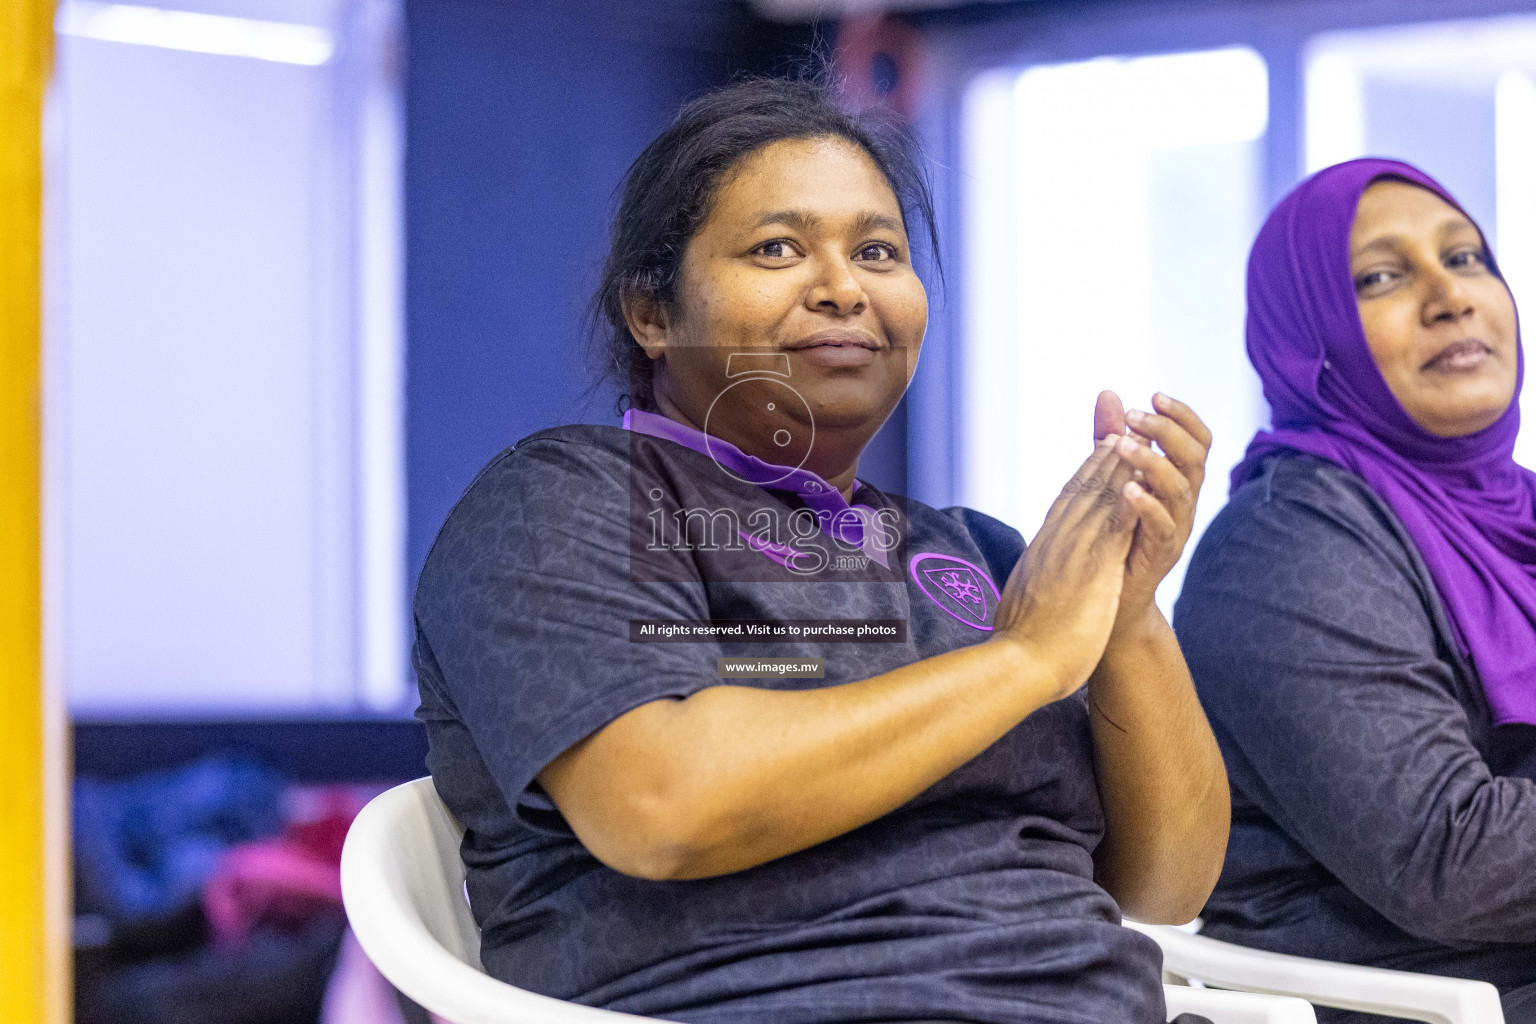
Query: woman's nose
(1447,297)
(837,290)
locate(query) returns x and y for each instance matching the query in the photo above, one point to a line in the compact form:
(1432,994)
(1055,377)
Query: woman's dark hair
(669,189)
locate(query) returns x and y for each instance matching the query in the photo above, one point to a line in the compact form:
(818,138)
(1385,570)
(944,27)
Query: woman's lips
(837,355)
(838,348)
(1460,357)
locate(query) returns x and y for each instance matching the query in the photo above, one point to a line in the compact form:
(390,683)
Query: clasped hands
(1163,488)
(1108,540)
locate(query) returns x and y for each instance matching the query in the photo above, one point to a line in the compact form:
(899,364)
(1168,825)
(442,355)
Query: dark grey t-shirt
(1377,816)
(973,902)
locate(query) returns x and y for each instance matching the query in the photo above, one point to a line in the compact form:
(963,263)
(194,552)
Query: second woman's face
(1440,324)
(802,268)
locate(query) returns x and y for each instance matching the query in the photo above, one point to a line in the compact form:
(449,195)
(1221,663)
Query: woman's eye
(875,252)
(1370,280)
(1462,258)
(778,249)
(1374,280)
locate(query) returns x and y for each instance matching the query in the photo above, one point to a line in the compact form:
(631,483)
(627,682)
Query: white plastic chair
(1425,997)
(403,884)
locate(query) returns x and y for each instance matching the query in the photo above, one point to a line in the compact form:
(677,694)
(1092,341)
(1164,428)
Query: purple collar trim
(838,519)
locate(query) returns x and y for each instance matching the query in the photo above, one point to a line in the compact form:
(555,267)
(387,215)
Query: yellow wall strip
(33,949)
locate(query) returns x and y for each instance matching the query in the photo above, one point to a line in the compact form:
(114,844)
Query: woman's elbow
(1177,906)
(635,815)
(1167,880)
(1173,893)
(649,861)
(649,837)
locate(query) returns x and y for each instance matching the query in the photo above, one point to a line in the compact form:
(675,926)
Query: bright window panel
(224,443)
(1108,219)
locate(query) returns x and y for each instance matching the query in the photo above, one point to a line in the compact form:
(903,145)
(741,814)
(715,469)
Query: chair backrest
(402,881)
(418,840)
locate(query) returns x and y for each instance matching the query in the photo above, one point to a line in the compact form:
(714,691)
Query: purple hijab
(1467,505)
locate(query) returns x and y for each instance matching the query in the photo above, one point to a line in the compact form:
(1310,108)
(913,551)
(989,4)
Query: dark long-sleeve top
(1377,814)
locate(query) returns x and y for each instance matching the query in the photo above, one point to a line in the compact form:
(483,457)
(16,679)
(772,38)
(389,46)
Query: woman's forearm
(735,776)
(1161,778)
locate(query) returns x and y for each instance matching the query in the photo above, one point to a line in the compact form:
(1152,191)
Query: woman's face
(1440,324)
(802,266)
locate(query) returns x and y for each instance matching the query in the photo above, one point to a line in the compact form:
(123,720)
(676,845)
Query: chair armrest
(1237,1007)
(1424,997)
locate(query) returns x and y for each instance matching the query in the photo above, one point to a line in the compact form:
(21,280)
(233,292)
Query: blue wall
(520,121)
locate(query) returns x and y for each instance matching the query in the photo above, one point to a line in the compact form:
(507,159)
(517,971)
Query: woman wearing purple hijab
(1360,620)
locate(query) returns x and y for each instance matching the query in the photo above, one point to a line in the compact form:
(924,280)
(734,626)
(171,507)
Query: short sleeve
(525,604)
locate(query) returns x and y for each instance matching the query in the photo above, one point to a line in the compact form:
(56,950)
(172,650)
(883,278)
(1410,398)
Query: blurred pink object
(289,880)
(270,882)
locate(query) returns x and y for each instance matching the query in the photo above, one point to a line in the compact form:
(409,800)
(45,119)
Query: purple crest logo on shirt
(963,590)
